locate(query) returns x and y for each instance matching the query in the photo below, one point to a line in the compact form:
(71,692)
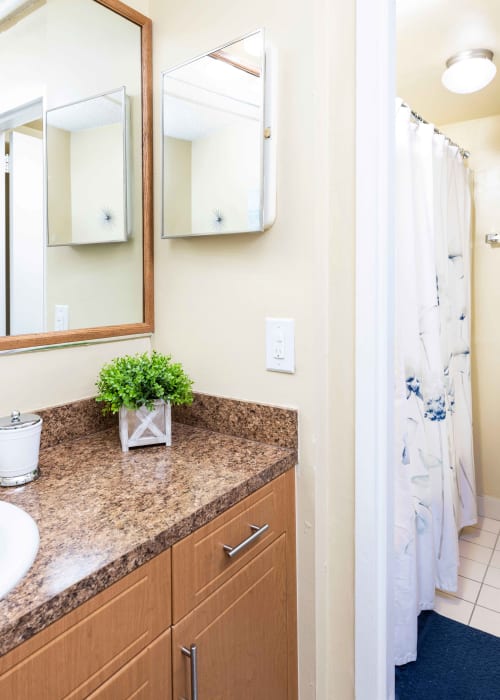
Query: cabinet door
(74,656)
(146,677)
(240,633)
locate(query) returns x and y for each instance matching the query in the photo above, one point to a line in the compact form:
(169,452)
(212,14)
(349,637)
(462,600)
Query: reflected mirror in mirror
(213,135)
(87,154)
(62,276)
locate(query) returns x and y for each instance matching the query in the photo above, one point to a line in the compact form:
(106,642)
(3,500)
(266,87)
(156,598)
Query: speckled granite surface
(73,420)
(101,513)
(255,421)
(270,424)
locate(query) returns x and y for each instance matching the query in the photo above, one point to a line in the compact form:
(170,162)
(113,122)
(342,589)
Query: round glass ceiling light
(469,71)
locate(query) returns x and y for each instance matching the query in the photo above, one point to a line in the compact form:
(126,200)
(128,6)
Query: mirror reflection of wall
(213,142)
(67,52)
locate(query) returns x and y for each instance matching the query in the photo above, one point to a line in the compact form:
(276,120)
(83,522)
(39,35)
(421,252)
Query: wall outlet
(62,317)
(280,345)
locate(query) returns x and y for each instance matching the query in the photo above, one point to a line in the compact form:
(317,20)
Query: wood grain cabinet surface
(73,657)
(146,677)
(199,562)
(240,635)
(242,610)
(239,611)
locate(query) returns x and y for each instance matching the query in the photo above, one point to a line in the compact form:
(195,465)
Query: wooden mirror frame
(33,340)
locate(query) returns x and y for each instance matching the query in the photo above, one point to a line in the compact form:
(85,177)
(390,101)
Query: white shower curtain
(434,472)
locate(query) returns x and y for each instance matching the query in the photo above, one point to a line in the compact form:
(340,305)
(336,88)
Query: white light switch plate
(280,345)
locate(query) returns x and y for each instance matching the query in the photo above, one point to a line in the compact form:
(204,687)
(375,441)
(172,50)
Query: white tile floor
(477,601)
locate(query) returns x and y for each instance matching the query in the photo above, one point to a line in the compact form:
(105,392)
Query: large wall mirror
(76,202)
(213,124)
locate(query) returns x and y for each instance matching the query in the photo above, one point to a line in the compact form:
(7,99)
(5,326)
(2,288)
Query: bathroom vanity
(140,588)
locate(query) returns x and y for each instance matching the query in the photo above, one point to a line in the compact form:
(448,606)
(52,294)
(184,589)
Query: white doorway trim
(375,91)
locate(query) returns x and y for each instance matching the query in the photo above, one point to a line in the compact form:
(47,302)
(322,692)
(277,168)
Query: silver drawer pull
(192,653)
(257,532)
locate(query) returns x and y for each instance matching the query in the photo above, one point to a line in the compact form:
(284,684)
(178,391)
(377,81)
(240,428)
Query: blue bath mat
(454,662)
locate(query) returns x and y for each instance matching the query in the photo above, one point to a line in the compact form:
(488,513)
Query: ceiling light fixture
(469,71)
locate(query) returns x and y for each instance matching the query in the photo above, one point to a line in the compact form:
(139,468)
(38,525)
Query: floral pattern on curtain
(434,471)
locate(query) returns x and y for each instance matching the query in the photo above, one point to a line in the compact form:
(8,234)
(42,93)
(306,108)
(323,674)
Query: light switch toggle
(280,345)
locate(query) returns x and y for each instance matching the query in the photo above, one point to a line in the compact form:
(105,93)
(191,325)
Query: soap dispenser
(19,448)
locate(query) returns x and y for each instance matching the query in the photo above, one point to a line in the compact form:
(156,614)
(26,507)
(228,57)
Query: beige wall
(213,294)
(101,284)
(217,171)
(44,378)
(482,138)
(58,146)
(48,54)
(177,186)
(225,168)
(97,172)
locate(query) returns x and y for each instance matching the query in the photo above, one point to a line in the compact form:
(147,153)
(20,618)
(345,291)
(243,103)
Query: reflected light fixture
(469,71)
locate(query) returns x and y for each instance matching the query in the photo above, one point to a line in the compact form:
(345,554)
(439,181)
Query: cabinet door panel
(76,654)
(241,635)
(146,677)
(200,564)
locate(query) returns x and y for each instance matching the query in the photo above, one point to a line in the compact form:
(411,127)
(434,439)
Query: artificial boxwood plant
(138,380)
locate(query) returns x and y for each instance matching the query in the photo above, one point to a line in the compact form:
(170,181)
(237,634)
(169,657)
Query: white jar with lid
(19,448)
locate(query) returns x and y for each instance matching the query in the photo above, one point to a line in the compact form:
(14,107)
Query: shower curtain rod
(415,115)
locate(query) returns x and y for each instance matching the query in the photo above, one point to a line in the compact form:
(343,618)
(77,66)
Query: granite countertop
(102,513)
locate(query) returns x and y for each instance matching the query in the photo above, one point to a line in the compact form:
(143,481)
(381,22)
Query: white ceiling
(206,95)
(88,114)
(428,33)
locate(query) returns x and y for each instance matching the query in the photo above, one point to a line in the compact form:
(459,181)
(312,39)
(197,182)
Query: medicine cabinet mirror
(76,202)
(86,152)
(213,135)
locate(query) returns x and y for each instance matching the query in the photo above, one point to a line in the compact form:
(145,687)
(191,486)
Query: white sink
(19,540)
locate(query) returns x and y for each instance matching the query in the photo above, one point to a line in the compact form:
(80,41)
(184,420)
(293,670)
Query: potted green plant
(141,389)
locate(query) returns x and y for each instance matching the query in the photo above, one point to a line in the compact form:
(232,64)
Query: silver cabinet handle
(257,532)
(192,653)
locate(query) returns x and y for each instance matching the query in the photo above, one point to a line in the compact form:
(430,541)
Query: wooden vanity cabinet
(146,677)
(120,631)
(238,611)
(240,633)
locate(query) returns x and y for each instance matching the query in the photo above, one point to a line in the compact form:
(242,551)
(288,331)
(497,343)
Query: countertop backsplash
(254,421)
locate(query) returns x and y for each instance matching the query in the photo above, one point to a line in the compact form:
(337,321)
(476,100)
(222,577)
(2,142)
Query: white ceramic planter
(144,427)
